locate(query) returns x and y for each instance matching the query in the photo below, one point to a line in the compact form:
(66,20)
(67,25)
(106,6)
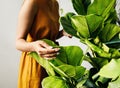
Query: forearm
(24,46)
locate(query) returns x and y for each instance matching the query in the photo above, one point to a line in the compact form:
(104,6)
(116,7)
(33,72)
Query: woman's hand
(66,34)
(44,50)
(63,33)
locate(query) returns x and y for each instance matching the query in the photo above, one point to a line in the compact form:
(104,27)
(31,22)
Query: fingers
(48,51)
(44,44)
(70,36)
(45,51)
(49,56)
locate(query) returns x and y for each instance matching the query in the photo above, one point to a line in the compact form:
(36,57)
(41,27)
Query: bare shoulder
(29,8)
(30,5)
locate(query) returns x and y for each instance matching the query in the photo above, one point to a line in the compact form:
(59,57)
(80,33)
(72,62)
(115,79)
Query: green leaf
(71,55)
(62,55)
(100,52)
(68,69)
(90,84)
(43,62)
(101,7)
(108,32)
(111,70)
(74,55)
(54,82)
(93,22)
(80,25)
(80,71)
(51,43)
(81,84)
(67,26)
(114,42)
(115,83)
(80,6)
(86,3)
(75,72)
(99,62)
(102,82)
(111,16)
(59,71)
(57,62)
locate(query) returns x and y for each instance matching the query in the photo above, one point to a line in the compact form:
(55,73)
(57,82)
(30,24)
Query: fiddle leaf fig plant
(95,25)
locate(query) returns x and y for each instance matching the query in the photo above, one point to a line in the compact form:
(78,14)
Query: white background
(9,56)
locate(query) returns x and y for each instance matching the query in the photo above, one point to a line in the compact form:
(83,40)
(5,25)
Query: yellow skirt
(30,72)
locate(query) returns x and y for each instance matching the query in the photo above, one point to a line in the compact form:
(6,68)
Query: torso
(46,22)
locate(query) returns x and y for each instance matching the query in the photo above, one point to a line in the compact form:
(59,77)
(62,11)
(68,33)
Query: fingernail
(50,58)
(47,58)
(57,49)
(58,53)
(51,47)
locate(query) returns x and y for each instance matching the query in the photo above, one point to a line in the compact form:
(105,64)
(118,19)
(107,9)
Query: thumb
(45,45)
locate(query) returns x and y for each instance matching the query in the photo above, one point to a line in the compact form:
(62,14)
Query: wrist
(31,46)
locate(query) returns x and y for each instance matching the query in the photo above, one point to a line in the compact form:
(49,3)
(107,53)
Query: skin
(25,20)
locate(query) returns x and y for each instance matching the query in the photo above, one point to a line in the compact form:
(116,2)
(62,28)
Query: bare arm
(25,21)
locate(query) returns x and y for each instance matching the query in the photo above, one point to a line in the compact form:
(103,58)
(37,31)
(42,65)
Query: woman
(38,19)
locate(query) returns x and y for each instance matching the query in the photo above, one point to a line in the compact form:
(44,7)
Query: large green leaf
(49,42)
(80,71)
(101,7)
(59,71)
(80,25)
(115,83)
(86,3)
(108,32)
(78,6)
(71,55)
(43,62)
(99,62)
(74,55)
(67,26)
(54,82)
(75,72)
(93,22)
(68,69)
(111,16)
(111,70)
(81,6)
(62,56)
